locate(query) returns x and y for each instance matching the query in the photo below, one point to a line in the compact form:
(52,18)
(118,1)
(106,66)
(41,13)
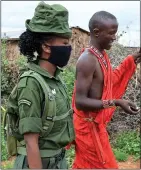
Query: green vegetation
(10,71)
(8,165)
(69,77)
(4,155)
(70,156)
(127,143)
(120,155)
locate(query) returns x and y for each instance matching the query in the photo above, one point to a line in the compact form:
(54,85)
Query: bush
(8,165)
(10,71)
(120,155)
(4,155)
(122,121)
(70,154)
(129,143)
(69,77)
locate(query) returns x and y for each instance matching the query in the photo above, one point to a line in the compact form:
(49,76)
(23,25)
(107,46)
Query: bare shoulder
(86,62)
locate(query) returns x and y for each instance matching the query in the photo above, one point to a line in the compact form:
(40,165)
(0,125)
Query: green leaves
(129,143)
(69,77)
(10,70)
(120,155)
(70,156)
(3,146)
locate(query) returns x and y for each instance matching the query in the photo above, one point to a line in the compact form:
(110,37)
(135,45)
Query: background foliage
(123,128)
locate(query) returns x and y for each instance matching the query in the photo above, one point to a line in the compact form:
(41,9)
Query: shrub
(10,71)
(120,155)
(70,156)
(69,77)
(4,155)
(8,165)
(129,143)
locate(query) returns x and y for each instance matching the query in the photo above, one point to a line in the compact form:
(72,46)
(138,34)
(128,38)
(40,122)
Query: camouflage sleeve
(30,97)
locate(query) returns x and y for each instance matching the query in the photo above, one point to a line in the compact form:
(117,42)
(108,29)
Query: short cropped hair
(97,19)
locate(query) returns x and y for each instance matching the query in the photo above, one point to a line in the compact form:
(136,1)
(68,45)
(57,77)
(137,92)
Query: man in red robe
(97,92)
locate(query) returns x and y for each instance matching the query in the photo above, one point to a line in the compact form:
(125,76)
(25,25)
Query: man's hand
(137,57)
(127,106)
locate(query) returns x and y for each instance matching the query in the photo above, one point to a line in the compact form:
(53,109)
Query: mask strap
(45,59)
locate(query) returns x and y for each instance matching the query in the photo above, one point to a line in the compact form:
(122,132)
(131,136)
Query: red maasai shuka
(92,147)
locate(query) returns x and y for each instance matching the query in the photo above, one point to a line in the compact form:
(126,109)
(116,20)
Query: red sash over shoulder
(92,147)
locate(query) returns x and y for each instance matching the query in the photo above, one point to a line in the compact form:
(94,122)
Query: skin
(89,76)
(46,53)
(31,139)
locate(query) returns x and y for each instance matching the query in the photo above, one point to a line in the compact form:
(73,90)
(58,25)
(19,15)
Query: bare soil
(129,164)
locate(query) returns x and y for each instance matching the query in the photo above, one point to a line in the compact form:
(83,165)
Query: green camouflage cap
(50,19)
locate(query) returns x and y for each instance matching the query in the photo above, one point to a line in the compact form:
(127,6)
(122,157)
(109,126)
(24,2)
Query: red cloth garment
(92,147)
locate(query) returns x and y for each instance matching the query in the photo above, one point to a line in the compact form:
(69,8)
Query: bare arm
(84,75)
(32,147)
(85,70)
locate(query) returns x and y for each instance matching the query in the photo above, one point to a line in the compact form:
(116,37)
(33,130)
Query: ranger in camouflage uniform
(45,43)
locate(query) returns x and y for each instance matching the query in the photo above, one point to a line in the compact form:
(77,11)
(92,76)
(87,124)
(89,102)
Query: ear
(96,32)
(46,48)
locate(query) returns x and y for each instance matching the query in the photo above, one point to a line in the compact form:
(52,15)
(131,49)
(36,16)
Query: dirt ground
(129,164)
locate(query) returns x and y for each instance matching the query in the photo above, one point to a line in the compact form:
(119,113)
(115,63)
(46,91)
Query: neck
(95,44)
(47,66)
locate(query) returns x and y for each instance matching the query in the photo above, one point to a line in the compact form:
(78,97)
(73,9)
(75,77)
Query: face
(57,51)
(106,35)
(58,41)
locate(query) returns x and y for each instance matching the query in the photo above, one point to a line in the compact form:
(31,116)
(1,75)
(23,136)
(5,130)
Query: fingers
(129,110)
(132,105)
(137,55)
(133,109)
(138,60)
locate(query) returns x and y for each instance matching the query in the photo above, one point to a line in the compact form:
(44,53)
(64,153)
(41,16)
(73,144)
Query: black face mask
(59,56)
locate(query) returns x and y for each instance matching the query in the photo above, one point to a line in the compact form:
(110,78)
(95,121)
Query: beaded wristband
(108,104)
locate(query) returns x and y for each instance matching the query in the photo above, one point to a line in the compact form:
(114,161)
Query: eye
(66,43)
(112,32)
